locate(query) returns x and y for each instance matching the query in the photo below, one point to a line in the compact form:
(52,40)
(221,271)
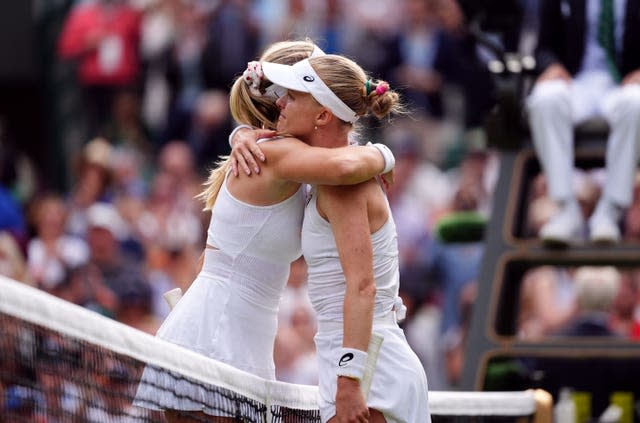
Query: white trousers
(556,106)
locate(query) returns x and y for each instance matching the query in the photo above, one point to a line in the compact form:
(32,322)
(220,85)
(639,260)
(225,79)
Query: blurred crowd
(150,84)
(579,301)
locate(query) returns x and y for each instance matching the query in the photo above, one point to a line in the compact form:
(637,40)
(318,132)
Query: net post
(544,406)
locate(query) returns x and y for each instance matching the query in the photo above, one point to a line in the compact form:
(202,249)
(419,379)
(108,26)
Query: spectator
(632,223)
(418,44)
(596,289)
(297,19)
(295,292)
(232,41)
(294,352)
(62,396)
(86,287)
(547,302)
(106,232)
(623,312)
(587,72)
(92,185)
(295,349)
(11,218)
(23,403)
(159,31)
(52,252)
(128,168)
(210,123)
(136,309)
(435,50)
(125,128)
(454,341)
(415,208)
(368,30)
(12,262)
(103,36)
(177,159)
(161,265)
(173,217)
(182,67)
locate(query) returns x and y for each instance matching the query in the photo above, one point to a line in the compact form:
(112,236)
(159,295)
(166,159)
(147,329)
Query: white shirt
(594,55)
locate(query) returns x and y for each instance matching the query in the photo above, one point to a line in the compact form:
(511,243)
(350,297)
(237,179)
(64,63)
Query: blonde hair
(249,109)
(348,81)
(262,112)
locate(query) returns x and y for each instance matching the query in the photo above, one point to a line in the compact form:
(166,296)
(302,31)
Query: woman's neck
(328,138)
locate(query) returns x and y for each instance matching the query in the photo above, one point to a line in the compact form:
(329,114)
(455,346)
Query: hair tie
(253,76)
(367,87)
(382,88)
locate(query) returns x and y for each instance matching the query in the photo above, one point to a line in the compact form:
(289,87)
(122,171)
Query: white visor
(301,77)
(317,51)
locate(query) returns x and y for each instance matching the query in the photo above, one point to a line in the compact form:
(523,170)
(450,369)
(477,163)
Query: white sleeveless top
(258,242)
(269,232)
(326,279)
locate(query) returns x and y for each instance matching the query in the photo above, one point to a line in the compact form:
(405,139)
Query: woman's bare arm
(346,209)
(294,160)
(329,166)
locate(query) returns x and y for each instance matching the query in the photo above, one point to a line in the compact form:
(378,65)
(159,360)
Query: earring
(315,128)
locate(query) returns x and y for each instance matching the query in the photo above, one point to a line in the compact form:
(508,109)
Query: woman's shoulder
(279,140)
(360,190)
(282,144)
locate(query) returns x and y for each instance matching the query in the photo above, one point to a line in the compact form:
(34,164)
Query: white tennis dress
(399,384)
(230,311)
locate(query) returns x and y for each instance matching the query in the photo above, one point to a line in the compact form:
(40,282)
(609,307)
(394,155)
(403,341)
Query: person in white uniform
(349,241)
(229,313)
(589,55)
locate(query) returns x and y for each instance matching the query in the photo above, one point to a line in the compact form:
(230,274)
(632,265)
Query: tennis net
(62,363)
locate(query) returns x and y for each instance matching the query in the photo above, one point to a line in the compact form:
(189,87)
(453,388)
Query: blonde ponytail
(249,109)
(214,183)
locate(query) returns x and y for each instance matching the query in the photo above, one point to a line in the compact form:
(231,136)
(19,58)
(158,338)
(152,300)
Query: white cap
(302,77)
(106,216)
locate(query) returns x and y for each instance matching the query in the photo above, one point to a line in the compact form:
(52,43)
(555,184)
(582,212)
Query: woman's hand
(245,149)
(350,404)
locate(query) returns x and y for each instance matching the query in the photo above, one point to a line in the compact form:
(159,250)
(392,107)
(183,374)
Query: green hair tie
(367,86)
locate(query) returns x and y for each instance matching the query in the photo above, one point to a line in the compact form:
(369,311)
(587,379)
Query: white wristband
(351,363)
(235,131)
(389,158)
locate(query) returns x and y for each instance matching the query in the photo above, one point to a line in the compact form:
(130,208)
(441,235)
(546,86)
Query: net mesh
(62,363)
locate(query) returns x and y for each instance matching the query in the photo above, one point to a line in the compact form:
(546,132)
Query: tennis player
(349,241)
(229,313)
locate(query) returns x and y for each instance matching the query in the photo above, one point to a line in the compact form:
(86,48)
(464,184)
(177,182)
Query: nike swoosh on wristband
(345,359)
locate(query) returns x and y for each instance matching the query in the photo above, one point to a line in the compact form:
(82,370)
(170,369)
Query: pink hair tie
(382,88)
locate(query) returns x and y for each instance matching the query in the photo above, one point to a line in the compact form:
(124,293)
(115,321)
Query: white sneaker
(564,227)
(603,224)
